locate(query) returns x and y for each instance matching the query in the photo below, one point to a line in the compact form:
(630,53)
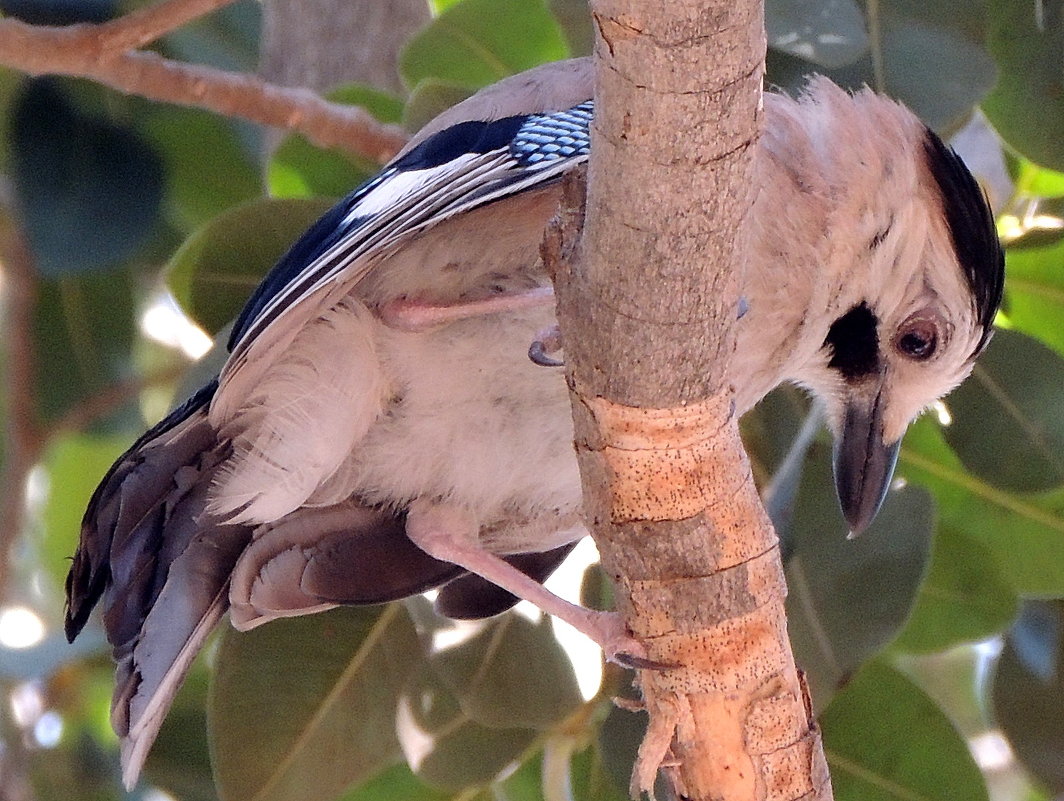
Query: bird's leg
(412,315)
(449,533)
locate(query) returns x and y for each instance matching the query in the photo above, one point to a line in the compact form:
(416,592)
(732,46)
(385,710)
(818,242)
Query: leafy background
(933,644)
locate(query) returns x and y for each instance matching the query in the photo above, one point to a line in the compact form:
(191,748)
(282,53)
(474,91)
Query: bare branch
(22,435)
(647,294)
(110,398)
(144,25)
(48,50)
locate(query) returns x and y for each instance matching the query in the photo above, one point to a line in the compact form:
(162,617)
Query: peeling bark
(647,293)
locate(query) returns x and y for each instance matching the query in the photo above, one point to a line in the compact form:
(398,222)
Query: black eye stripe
(854,343)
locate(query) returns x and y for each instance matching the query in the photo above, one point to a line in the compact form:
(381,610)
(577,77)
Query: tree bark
(319,44)
(646,299)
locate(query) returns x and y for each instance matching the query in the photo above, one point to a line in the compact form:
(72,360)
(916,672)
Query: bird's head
(912,296)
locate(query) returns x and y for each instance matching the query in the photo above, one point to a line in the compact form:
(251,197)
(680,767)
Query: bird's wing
(463,167)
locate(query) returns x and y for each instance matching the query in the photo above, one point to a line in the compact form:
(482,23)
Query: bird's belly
(473,422)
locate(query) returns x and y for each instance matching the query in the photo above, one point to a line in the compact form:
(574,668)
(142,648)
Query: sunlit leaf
(74,465)
(477,42)
(220,264)
(1035,292)
(301,708)
(1028,691)
(1008,418)
(848,598)
(1034,179)
(299,169)
(885,740)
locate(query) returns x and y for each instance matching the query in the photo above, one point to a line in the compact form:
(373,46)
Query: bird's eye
(917,339)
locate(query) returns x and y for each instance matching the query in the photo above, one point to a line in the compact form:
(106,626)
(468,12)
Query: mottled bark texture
(320,44)
(647,293)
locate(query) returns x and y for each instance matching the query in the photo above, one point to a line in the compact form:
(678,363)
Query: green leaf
(74,464)
(215,270)
(179,761)
(590,779)
(618,742)
(83,332)
(885,740)
(769,430)
(430,98)
(1026,106)
(477,42)
(1028,691)
(965,598)
(442,743)
(1033,179)
(848,598)
(301,708)
(512,673)
(932,58)
(935,66)
(397,783)
(1024,533)
(1008,418)
(574,19)
(228,38)
(208,168)
(1035,292)
(300,169)
(829,33)
(88,190)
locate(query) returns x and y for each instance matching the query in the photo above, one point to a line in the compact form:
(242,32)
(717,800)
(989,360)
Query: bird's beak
(864,463)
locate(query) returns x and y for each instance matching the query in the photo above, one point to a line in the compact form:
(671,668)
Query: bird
(389,420)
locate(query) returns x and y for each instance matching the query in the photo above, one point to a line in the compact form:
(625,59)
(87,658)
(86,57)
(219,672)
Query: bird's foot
(413,315)
(449,533)
(547,342)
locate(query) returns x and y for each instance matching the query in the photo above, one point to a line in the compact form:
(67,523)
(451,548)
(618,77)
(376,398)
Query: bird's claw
(618,645)
(546,342)
(641,663)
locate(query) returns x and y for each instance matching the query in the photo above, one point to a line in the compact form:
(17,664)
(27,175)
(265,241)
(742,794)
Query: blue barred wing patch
(544,138)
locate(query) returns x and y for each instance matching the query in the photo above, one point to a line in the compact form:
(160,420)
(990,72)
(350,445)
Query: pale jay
(379,395)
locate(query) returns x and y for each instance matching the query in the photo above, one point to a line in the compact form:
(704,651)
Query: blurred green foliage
(118,197)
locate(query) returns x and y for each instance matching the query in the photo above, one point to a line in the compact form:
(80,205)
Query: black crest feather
(971,226)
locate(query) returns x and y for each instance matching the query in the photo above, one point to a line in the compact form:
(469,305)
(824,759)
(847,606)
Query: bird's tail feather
(161,566)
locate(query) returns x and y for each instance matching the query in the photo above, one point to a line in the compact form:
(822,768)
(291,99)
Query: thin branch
(144,25)
(109,399)
(48,50)
(22,434)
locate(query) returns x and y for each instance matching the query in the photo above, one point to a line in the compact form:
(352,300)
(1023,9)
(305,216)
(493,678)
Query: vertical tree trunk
(321,43)
(646,299)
